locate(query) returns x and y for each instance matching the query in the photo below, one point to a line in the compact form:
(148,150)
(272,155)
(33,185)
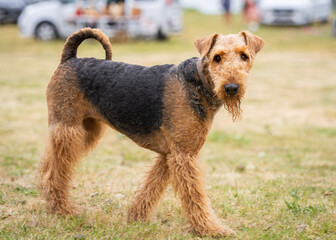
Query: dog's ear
(253,42)
(205,44)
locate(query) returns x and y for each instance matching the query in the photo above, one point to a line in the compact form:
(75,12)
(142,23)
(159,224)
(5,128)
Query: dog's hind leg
(65,148)
(150,191)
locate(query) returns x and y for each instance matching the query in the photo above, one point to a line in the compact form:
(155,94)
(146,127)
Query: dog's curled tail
(73,42)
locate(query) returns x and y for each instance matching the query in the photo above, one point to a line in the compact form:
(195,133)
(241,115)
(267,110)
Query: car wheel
(161,35)
(325,20)
(3,15)
(45,31)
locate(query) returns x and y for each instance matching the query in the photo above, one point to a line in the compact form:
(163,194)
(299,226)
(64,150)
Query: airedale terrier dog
(168,109)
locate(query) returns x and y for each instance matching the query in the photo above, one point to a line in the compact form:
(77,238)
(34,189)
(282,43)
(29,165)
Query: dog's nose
(231,89)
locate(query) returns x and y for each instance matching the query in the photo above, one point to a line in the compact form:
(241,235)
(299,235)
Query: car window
(32,1)
(67,1)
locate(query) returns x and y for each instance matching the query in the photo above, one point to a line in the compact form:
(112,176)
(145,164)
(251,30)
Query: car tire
(161,36)
(324,20)
(3,15)
(46,31)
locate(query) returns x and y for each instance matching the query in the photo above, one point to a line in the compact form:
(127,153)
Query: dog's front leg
(187,182)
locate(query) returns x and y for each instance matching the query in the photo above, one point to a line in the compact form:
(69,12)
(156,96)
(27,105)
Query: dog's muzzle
(231,89)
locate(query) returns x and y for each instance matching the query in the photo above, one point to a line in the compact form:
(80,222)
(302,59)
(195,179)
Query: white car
(60,18)
(294,12)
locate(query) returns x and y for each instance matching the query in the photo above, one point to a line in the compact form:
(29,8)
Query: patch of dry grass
(270,176)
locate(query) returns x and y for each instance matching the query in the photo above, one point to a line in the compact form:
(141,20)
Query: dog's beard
(232,105)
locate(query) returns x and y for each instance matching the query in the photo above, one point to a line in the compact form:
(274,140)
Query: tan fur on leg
(149,193)
(187,182)
(65,148)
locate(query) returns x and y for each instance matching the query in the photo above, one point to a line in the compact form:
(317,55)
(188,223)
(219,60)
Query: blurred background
(47,20)
(271,175)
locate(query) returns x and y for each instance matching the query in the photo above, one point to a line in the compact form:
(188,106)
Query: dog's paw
(218,231)
(226,231)
(65,209)
(135,214)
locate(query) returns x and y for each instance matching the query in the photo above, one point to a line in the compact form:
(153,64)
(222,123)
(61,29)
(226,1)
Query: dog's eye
(217,58)
(243,56)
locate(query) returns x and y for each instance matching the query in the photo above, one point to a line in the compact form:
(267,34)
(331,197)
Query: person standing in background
(227,13)
(251,15)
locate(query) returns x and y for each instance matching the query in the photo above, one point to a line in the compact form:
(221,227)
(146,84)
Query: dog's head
(226,62)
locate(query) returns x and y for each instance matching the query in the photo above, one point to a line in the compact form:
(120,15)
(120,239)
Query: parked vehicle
(134,18)
(11,9)
(298,12)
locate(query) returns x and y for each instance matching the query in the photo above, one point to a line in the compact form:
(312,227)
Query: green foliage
(2,198)
(297,209)
(26,191)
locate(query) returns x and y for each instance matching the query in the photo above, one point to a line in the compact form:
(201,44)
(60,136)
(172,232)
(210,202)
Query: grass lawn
(271,175)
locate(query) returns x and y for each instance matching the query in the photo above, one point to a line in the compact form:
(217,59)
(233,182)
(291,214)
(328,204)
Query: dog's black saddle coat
(129,96)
